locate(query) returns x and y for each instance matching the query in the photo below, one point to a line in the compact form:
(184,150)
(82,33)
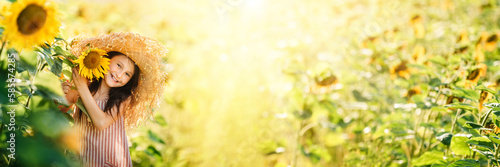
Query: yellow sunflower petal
(30,23)
(93,64)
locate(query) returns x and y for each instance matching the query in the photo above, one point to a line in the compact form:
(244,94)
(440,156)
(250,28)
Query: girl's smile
(121,70)
(114,79)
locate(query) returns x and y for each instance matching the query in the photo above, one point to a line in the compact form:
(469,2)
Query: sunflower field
(270,83)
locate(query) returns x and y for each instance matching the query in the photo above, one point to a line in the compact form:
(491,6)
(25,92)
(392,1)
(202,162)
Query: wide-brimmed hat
(148,55)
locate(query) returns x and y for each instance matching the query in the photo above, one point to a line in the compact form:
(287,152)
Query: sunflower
(93,64)
(31,22)
(418,53)
(491,43)
(414,91)
(475,75)
(400,70)
(463,37)
(324,83)
(417,23)
(485,96)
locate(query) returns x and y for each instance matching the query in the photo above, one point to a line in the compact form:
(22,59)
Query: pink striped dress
(103,148)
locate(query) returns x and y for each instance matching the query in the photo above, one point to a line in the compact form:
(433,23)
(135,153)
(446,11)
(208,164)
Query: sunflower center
(92,60)
(31,19)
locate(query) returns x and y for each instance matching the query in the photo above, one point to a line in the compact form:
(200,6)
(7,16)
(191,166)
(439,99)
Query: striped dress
(103,148)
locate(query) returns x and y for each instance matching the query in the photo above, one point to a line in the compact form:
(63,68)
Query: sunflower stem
(496,154)
(455,120)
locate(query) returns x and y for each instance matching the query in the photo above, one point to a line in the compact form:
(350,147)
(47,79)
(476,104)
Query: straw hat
(147,53)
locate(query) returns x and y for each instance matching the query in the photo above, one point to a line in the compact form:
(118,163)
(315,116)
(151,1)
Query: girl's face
(121,69)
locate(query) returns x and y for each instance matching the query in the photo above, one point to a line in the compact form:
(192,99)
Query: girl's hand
(79,80)
(70,94)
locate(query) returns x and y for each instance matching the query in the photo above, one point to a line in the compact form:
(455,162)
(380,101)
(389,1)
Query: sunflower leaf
(466,93)
(465,162)
(48,86)
(459,146)
(482,87)
(27,61)
(82,107)
(438,60)
(59,50)
(45,57)
(481,142)
(56,68)
(464,106)
(46,117)
(69,63)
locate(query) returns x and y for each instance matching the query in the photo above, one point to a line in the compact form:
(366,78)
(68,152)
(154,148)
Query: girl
(119,100)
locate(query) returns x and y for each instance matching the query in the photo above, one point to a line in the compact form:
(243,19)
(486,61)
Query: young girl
(119,100)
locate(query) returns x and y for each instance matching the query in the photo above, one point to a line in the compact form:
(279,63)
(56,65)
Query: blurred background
(308,83)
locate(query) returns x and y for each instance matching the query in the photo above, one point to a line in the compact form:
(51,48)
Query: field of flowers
(271,83)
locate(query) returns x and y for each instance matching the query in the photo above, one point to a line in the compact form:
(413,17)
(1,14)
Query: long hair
(117,94)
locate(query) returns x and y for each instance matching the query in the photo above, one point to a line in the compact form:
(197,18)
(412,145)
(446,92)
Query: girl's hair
(117,94)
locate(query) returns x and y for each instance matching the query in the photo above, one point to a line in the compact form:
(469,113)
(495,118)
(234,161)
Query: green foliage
(37,124)
(459,146)
(428,158)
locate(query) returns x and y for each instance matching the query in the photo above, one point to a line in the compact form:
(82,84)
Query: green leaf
(304,114)
(360,96)
(329,106)
(38,151)
(47,118)
(435,82)
(439,109)
(487,153)
(160,120)
(60,51)
(481,142)
(496,118)
(465,163)
(430,125)
(482,87)
(318,153)
(495,139)
(46,56)
(422,69)
(472,125)
(491,105)
(68,74)
(420,101)
(69,63)
(444,137)
(154,137)
(466,93)
(56,68)
(438,60)
(69,117)
(474,132)
(459,146)
(27,61)
(152,151)
(440,163)
(48,85)
(429,158)
(463,106)
(80,105)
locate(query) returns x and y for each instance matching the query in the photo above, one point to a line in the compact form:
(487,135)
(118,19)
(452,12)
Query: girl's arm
(100,119)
